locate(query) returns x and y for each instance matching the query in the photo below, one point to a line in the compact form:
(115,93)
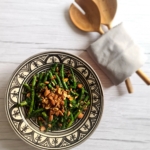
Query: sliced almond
(49,125)
(53,102)
(55,109)
(57,113)
(50,117)
(28,95)
(52,112)
(68,114)
(52,94)
(47,101)
(70,98)
(46,93)
(80,115)
(65,94)
(50,97)
(47,107)
(80,85)
(59,91)
(56,97)
(46,82)
(66,79)
(61,113)
(63,110)
(62,102)
(42,128)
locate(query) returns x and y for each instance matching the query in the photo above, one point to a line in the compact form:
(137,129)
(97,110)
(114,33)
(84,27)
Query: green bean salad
(55,99)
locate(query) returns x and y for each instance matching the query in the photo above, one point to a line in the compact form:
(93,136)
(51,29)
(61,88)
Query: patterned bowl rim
(48,52)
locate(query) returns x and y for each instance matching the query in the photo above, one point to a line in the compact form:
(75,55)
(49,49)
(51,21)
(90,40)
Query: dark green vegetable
(32,95)
(52,78)
(36,112)
(62,77)
(53,68)
(45,77)
(41,86)
(86,98)
(74,93)
(74,79)
(58,79)
(77,113)
(27,86)
(71,120)
(50,86)
(24,103)
(40,78)
(44,115)
(81,94)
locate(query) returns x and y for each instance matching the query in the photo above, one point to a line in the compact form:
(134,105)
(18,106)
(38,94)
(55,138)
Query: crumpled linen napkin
(117,54)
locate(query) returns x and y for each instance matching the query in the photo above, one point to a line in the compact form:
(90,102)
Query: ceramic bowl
(27,129)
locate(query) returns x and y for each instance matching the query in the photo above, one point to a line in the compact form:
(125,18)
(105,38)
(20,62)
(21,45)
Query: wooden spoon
(107,10)
(90,21)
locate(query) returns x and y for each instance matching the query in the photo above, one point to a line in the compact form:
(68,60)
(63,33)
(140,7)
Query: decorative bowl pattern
(27,129)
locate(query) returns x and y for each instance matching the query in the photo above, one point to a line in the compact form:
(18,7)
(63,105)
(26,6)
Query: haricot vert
(55,98)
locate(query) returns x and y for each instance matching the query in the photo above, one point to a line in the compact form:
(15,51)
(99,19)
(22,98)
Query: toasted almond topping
(47,107)
(50,117)
(55,109)
(66,79)
(28,95)
(52,112)
(57,113)
(65,94)
(80,85)
(59,91)
(70,98)
(56,97)
(42,128)
(63,110)
(52,94)
(49,125)
(50,97)
(46,93)
(53,102)
(68,113)
(46,82)
(80,115)
(62,102)
(61,113)
(76,97)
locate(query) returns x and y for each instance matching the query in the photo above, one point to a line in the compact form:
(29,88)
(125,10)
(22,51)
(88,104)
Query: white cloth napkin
(117,54)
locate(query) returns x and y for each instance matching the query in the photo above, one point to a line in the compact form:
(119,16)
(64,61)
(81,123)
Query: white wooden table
(28,27)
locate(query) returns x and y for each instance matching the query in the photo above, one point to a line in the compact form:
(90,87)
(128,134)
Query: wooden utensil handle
(143,76)
(129,85)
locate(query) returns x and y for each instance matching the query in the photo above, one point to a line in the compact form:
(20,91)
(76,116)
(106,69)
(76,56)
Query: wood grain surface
(28,27)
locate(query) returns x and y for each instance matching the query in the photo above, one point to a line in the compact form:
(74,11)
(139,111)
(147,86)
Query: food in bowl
(55,98)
